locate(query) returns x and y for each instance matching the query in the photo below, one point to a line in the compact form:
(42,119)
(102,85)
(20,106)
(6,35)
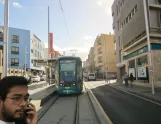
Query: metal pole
(149,45)
(25,60)
(105,59)
(5,46)
(48,33)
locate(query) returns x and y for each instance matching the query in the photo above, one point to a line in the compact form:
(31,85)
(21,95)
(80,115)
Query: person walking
(131,79)
(126,77)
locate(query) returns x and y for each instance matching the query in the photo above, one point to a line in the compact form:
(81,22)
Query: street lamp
(149,44)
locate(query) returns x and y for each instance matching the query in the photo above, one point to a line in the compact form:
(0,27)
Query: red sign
(51,43)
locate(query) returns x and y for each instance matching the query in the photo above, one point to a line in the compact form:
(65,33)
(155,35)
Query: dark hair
(10,81)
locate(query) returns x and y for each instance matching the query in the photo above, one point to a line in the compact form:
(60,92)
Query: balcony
(99,63)
(99,53)
(15,52)
(1,37)
(155,6)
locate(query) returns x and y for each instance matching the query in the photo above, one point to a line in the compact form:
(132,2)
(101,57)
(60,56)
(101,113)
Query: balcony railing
(14,52)
(99,53)
(1,37)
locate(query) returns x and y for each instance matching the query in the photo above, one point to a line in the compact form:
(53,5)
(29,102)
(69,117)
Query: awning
(122,64)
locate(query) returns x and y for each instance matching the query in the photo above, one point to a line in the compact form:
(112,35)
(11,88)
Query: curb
(100,113)
(35,86)
(141,96)
(147,97)
(45,98)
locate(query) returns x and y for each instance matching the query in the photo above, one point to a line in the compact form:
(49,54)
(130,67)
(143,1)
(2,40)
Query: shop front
(137,64)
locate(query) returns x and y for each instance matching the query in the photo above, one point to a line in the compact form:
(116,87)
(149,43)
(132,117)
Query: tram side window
(57,71)
(79,72)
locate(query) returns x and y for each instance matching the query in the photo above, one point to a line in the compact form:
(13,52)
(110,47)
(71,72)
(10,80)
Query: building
(104,54)
(24,47)
(131,36)
(54,55)
(91,67)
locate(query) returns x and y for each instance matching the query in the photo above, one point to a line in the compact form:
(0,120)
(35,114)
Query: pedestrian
(131,79)
(126,77)
(14,102)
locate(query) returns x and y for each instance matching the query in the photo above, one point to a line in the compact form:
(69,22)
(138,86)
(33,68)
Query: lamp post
(149,44)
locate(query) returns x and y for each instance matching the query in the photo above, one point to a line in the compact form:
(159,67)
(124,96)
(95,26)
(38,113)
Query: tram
(68,75)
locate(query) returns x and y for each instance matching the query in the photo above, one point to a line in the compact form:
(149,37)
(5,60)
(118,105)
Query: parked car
(91,76)
(42,77)
(35,78)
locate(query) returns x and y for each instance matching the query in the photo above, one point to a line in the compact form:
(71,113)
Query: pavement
(140,89)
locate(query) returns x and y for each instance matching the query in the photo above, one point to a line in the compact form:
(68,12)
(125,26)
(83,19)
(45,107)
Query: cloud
(108,11)
(106,5)
(100,2)
(16,4)
(88,37)
(2,1)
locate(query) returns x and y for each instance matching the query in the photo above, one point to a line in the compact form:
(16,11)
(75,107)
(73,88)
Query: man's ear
(1,99)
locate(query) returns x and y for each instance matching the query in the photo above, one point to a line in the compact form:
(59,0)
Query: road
(123,108)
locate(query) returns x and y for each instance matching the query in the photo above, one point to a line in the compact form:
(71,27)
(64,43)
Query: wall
(157,64)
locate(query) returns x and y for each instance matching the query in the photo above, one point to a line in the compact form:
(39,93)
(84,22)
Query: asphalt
(123,108)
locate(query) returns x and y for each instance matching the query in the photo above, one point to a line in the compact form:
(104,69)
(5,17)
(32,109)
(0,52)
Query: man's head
(13,98)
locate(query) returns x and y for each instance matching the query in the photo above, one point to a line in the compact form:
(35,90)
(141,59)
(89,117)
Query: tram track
(48,107)
(57,104)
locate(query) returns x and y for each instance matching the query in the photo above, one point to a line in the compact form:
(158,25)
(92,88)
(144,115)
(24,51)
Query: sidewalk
(143,90)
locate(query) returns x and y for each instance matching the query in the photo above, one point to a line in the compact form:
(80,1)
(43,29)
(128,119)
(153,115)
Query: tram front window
(67,71)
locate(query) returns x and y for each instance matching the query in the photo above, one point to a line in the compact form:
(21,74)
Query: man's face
(13,107)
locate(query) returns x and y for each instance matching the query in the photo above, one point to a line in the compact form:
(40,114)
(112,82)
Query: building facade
(104,54)
(54,55)
(91,67)
(24,47)
(130,28)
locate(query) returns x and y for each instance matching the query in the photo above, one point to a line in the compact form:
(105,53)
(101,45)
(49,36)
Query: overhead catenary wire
(65,20)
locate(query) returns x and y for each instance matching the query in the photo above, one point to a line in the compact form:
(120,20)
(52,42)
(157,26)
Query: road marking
(137,96)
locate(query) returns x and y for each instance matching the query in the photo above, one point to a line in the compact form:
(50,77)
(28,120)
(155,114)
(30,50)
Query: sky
(83,20)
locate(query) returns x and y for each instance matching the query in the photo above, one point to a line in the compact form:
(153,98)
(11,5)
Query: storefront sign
(142,72)
(132,70)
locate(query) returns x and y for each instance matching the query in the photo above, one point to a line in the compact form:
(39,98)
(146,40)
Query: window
(118,25)
(14,62)
(14,50)
(32,61)
(31,50)
(15,39)
(135,9)
(127,20)
(129,16)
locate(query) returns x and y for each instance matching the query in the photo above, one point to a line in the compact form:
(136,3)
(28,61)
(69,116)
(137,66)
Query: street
(124,108)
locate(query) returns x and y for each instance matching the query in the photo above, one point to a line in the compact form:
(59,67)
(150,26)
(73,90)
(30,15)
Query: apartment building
(23,47)
(104,54)
(91,67)
(131,34)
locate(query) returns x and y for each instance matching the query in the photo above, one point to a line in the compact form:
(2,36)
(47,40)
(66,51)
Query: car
(91,76)
(42,77)
(35,78)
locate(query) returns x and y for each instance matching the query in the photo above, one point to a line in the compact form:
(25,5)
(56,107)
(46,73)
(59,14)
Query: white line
(137,96)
